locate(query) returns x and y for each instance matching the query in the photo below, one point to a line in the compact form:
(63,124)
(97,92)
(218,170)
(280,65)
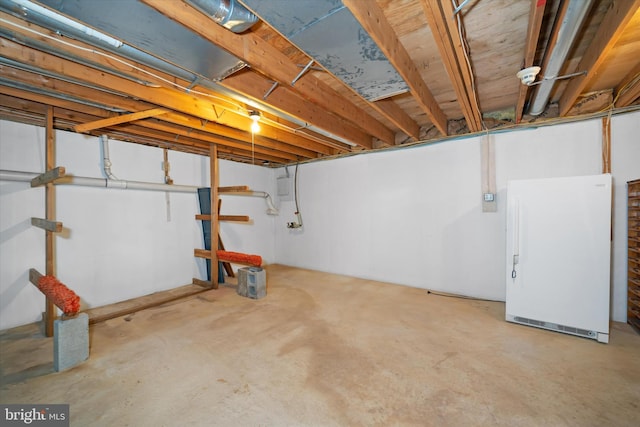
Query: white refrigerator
(559,254)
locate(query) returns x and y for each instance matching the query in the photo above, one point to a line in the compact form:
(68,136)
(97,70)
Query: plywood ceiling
(458,71)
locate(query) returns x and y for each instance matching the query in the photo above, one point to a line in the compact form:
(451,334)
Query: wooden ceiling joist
(269,61)
(615,22)
(536,14)
(444,28)
(33,80)
(125,118)
(372,19)
(140,72)
(74,113)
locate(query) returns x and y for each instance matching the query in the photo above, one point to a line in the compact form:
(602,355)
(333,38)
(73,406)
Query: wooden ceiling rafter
(444,27)
(186,124)
(372,19)
(54,64)
(536,14)
(73,114)
(139,72)
(272,63)
(611,29)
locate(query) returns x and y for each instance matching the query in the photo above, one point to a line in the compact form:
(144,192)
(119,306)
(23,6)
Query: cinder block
(70,342)
(252,282)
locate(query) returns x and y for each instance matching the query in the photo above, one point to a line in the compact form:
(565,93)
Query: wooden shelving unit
(633,273)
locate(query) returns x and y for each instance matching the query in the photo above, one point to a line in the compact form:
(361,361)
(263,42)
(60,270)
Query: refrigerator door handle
(516,237)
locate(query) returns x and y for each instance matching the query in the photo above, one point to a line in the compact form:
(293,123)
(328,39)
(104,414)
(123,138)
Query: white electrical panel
(285,188)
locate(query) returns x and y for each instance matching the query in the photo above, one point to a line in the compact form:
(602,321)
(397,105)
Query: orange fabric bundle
(239,258)
(64,298)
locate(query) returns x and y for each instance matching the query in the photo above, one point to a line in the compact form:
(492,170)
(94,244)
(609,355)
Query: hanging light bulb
(255,117)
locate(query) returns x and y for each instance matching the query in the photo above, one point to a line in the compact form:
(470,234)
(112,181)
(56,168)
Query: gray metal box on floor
(252,282)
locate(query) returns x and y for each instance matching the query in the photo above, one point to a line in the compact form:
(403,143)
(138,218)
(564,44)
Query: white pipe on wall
(99,182)
(8,175)
(106,159)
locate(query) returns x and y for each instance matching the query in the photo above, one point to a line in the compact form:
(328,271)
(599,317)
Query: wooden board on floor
(100,314)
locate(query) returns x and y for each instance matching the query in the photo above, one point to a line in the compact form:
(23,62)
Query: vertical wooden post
(215,229)
(606,144)
(50,207)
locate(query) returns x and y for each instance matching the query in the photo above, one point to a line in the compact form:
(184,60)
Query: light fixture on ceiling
(255,117)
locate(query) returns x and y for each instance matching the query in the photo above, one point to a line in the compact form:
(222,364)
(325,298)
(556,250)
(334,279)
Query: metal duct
(570,24)
(141,27)
(228,13)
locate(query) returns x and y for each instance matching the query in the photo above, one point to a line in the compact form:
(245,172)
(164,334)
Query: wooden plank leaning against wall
(50,207)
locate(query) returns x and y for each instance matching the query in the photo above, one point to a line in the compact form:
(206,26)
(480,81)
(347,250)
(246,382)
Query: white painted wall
(116,244)
(411,216)
(414,216)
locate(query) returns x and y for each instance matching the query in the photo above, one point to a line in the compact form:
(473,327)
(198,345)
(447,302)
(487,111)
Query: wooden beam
(188,125)
(273,126)
(266,59)
(226,265)
(444,26)
(372,19)
(34,276)
(613,25)
(234,189)
(168,98)
(536,13)
(122,308)
(53,226)
(51,174)
(629,89)
(397,116)
(125,118)
(203,253)
(50,212)
(215,226)
(236,218)
(204,283)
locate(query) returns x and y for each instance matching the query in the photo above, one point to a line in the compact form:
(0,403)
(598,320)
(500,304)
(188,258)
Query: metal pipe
(569,26)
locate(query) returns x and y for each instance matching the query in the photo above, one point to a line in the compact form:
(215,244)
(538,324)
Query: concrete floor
(326,350)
